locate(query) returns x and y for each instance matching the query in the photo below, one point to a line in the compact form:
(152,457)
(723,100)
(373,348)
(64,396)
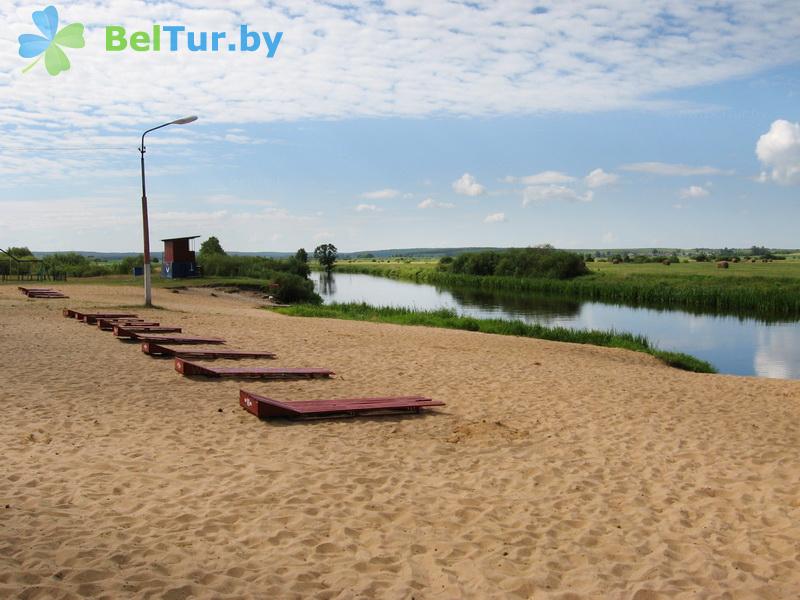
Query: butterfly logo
(55,61)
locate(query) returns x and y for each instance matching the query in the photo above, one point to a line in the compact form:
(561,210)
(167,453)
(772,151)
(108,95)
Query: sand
(554,471)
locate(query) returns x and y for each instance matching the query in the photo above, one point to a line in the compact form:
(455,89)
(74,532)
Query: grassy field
(450,320)
(788,269)
(777,269)
(770,291)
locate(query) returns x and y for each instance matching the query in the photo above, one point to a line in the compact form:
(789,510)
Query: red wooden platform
(191,368)
(177,339)
(108,324)
(134,331)
(264,407)
(91,318)
(210,353)
(47,295)
(41,292)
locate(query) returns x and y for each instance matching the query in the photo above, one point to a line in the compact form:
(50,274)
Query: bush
(521,262)
(294,288)
(222,265)
(73,264)
(127,264)
(290,274)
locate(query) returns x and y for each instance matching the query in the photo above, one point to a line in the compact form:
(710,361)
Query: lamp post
(148,298)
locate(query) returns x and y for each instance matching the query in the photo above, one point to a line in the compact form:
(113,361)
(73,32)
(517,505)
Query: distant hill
(393,252)
(414,252)
(430,252)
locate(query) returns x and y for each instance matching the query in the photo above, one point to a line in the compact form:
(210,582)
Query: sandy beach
(554,471)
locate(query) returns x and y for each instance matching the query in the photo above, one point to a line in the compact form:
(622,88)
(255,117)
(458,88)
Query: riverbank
(449,319)
(768,291)
(554,469)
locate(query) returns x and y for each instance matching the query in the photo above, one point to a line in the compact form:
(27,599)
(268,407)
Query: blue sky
(409,124)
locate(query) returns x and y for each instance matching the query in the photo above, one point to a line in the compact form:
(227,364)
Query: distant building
(179,260)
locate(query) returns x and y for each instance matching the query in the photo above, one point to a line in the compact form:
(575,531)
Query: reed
(449,319)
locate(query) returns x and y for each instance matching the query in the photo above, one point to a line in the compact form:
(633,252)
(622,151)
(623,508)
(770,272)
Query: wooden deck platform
(108,324)
(91,318)
(186,367)
(264,407)
(209,353)
(41,292)
(177,339)
(134,331)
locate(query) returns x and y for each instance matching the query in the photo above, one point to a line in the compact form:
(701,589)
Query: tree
(301,255)
(212,246)
(19,252)
(326,255)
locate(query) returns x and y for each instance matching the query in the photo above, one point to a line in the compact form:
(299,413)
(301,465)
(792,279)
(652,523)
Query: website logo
(179,38)
(32,45)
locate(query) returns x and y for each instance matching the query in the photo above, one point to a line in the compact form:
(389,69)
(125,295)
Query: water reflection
(515,305)
(326,284)
(777,353)
(732,344)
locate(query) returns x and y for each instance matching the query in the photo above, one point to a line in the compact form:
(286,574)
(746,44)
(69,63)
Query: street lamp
(148,299)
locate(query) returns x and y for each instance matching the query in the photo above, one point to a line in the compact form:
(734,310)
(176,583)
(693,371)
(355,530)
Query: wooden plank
(108,324)
(91,318)
(133,331)
(264,407)
(186,367)
(208,353)
(175,339)
(37,295)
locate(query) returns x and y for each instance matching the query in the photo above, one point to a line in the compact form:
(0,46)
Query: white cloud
(673,169)
(367,208)
(239,138)
(779,151)
(495,218)
(599,178)
(230,199)
(467,185)
(609,238)
(383,194)
(431,203)
(537,194)
(543,178)
(694,191)
(410,58)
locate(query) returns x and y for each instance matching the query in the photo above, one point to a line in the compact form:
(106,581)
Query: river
(733,345)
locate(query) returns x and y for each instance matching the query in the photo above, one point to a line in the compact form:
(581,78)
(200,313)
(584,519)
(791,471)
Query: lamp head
(184,120)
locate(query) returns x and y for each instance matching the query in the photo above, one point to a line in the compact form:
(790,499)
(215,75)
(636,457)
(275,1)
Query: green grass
(779,269)
(450,320)
(769,291)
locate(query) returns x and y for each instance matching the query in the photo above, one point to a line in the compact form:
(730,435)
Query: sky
(402,124)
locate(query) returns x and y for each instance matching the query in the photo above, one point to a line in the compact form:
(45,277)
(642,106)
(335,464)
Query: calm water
(732,345)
